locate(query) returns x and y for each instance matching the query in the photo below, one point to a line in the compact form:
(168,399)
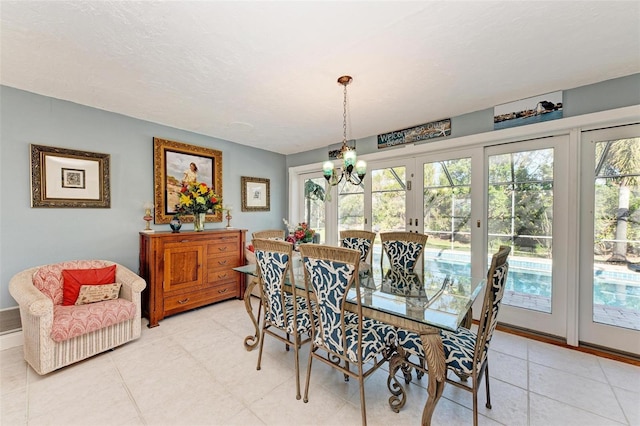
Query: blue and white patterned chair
(361,241)
(285,316)
(402,249)
(342,334)
(466,352)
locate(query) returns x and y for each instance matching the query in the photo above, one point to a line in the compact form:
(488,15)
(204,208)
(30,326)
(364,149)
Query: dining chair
(361,241)
(269,234)
(466,352)
(342,334)
(286,317)
(402,249)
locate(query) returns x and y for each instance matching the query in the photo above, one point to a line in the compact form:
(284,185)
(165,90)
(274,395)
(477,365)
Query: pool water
(533,277)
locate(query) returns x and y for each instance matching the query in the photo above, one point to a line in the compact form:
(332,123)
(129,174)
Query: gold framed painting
(256,194)
(176,164)
(62,177)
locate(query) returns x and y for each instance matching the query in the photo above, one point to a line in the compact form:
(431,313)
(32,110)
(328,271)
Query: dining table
(424,300)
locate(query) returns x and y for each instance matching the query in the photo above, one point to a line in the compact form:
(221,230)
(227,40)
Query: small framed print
(63,177)
(73,178)
(255,194)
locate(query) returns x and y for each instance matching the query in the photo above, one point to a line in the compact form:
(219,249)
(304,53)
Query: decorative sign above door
(432,130)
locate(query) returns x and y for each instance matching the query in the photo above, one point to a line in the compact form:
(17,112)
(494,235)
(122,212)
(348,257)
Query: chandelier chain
(344,117)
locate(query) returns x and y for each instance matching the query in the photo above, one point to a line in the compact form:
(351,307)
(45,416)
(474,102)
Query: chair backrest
(402,248)
(329,273)
(273,259)
(269,234)
(359,240)
(496,281)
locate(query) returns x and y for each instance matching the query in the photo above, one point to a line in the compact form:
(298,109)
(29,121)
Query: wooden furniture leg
(251,342)
(437,368)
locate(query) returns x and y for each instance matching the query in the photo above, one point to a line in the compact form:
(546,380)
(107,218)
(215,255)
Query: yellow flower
(185,200)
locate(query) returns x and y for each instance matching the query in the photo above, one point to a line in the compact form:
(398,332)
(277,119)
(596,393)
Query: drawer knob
(183,301)
(224,290)
(222,275)
(222,262)
(222,248)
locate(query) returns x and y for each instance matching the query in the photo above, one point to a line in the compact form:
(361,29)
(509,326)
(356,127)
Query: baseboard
(11,340)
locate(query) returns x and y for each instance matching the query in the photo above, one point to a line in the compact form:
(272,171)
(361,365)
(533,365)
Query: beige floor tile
(510,344)
(630,403)
(13,407)
(621,375)
(582,364)
(577,391)
(13,370)
(243,418)
(508,368)
(548,412)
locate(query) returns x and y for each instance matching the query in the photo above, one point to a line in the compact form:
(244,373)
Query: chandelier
(352,171)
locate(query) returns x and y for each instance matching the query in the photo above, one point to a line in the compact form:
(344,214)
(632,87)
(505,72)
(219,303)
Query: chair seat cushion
(73,321)
(375,337)
(458,347)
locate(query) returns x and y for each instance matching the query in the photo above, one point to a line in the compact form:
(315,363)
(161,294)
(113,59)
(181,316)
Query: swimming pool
(532,277)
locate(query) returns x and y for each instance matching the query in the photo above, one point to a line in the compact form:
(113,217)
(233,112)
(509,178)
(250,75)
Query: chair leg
(306,387)
(346,376)
(363,408)
(260,350)
(486,380)
(286,345)
(296,349)
(475,404)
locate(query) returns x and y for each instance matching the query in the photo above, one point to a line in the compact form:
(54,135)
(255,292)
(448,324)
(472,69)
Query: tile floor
(194,370)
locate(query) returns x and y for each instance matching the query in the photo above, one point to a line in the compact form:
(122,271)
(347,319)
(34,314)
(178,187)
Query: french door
(609,313)
(527,209)
(449,209)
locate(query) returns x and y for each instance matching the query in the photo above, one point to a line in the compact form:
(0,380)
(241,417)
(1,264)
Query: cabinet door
(183,266)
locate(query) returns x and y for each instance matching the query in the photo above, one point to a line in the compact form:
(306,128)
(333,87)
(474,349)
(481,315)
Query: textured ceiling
(264,73)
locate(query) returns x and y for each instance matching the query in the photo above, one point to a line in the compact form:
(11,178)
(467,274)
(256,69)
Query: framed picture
(63,177)
(176,164)
(256,195)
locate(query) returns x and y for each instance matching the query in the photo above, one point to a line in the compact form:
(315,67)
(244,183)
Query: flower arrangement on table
(300,233)
(197,199)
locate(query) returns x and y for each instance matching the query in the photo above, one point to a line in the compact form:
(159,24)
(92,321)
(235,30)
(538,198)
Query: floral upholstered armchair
(67,318)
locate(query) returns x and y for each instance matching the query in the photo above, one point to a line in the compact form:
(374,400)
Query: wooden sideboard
(187,270)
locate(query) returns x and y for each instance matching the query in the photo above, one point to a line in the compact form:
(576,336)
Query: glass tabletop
(438,299)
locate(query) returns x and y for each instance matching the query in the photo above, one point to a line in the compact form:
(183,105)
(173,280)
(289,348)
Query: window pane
(616,277)
(388,199)
(314,195)
(521,216)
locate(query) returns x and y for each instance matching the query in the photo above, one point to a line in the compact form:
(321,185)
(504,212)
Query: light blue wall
(602,96)
(36,236)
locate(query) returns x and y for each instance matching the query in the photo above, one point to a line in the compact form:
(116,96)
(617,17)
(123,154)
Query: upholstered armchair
(56,335)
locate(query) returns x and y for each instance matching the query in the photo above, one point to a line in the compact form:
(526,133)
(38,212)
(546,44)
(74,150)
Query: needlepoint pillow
(98,293)
(73,279)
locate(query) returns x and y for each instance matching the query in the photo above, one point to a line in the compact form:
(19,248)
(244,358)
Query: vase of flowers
(301,233)
(197,199)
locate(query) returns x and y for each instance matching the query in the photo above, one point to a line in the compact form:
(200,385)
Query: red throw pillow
(73,279)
